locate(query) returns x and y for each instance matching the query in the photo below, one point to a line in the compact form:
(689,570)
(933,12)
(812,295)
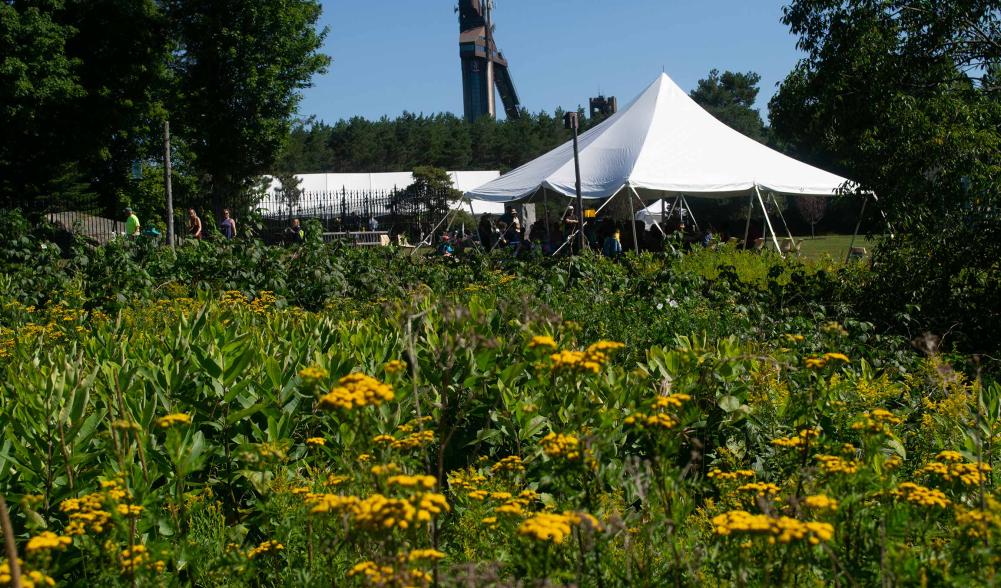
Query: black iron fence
(409,214)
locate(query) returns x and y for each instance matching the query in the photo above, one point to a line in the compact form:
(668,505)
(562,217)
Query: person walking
(228,225)
(131,223)
(194,225)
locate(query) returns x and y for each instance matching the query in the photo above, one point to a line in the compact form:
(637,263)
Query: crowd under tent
(663,146)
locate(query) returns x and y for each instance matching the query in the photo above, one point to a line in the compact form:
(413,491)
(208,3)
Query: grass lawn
(835,246)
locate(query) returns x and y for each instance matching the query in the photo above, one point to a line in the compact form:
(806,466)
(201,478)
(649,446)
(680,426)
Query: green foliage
(241,64)
(899,97)
(197,421)
(730,98)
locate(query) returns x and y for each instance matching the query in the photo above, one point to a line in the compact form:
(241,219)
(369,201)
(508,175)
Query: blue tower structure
(483,67)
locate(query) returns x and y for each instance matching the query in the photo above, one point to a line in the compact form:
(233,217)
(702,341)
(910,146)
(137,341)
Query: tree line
(85,86)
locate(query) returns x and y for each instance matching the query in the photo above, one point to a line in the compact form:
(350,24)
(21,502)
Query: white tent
(662,144)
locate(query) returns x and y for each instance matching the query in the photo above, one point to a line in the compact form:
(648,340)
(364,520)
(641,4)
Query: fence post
(166,182)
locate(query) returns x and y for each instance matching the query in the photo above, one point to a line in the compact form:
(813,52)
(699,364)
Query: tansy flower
(837,356)
(395,366)
(178,418)
(313,373)
(47,540)
(316,441)
(542,341)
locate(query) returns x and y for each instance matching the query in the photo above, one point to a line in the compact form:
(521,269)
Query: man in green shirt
(131,224)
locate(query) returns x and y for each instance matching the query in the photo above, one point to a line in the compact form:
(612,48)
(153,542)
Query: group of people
(195,230)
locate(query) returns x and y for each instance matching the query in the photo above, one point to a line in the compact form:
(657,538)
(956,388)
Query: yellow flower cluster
(268,547)
(762,489)
(313,373)
(721,476)
(177,418)
(877,421)
(978,524)
(413,441)
(560,445)
(820,502)
(514,505)
(316,441)
(781,529)
(29,579)
(542,341)
(382,469)
(920,495)
(138,556)
(88,512)
(832,464)
(590,360)
(129,511)
(46,541)
(800,440)
(425,554)
(264,301)
(414,424)
(395,366)
(467,480)
(555,527)
(511,463)
(355,391)
(377,512)
(968,474)
(820,362)
(661,418)
(376,575)
(405,481)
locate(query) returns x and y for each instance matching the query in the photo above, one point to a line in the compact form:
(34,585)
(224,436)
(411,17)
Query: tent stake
(768,221)
(857,227)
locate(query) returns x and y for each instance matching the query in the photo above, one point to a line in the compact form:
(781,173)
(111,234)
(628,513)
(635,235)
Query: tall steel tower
(483,66)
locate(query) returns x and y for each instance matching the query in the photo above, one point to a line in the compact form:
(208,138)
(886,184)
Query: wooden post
(9,547)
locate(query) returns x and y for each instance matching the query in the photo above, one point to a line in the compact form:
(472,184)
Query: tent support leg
(545,214)
(430,238)
(747,226)
(782,216)
(695,223)
(655,223)
(632,221)
(768,222)
(858,226)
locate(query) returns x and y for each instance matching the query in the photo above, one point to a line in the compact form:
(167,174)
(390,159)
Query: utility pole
(572,121)
(491,107)
(166,182)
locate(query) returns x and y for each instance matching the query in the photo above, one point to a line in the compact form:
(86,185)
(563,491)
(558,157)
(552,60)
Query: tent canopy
(662,144)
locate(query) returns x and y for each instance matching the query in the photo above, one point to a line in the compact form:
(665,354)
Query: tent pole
(632,221)
(663,211)
(569,239)
(857,227)
(655,223)
(545,213)
(747,227)
(768,222)
(690,213)
(782,216)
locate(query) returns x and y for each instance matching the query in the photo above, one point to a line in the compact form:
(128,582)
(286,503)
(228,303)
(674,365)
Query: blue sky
(396,55)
